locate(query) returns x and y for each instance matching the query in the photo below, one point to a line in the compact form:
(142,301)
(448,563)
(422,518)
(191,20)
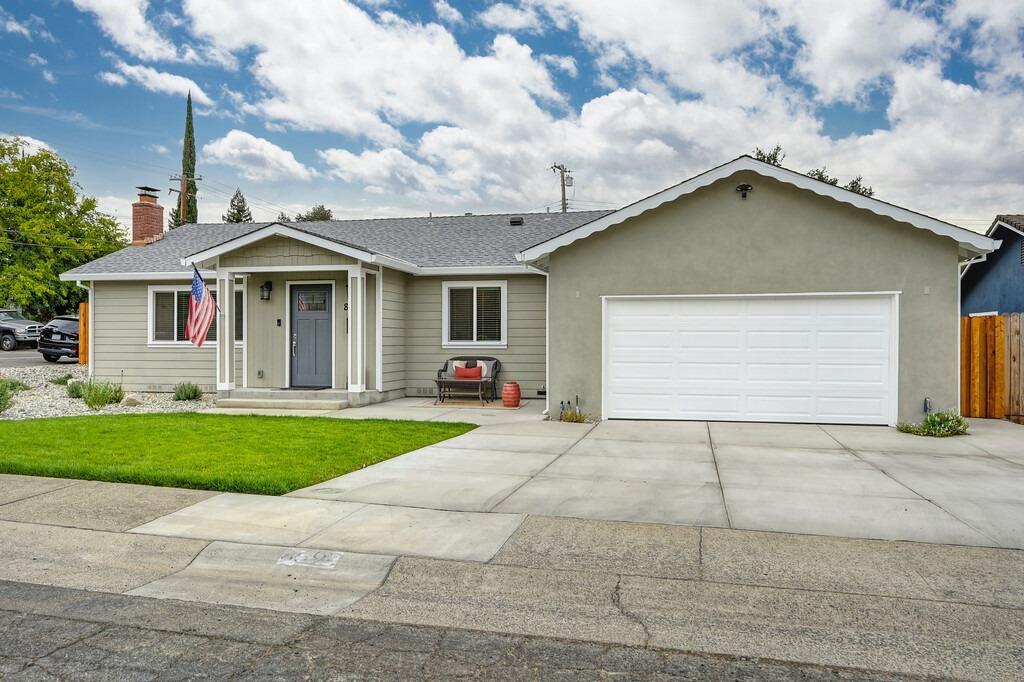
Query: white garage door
(828,359)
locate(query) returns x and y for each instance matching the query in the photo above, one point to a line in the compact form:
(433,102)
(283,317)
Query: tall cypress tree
(188,169)
(188,164)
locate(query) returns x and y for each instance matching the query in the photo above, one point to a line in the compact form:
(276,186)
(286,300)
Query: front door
(310,335)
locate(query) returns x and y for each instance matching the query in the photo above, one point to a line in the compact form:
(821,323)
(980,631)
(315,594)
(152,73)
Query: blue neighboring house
(996,284)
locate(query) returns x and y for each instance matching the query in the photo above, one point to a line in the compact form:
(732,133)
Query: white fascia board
(475,270)
(971,243)
(132,276)
(999,223)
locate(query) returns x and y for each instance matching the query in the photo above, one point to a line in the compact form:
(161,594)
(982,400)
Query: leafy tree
(46,227)
(318,212)
(188,169)
(238,210)
(283,217)
(776,155)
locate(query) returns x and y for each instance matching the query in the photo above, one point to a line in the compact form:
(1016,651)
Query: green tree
(238,210)
(283,217)
(776,155)
(188,170)
(47,227)
(318,212)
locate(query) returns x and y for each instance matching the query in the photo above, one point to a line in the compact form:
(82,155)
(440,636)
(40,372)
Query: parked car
(59,338)
(16,331)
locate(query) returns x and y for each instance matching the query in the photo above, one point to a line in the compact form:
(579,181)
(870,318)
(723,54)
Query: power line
(66,248)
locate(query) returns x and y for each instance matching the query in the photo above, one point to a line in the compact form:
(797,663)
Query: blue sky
(398,108)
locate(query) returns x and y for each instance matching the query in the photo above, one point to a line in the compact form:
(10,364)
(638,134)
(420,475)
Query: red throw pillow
(467,373)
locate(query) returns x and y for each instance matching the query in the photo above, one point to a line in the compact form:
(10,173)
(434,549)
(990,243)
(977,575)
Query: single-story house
(749,293)
(995,282)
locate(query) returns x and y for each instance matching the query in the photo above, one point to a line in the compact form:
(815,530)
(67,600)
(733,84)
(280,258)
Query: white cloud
(157,148)
(506,17)
(563,63)
(447,13)
(155,81)
(255,158)
(385,170)
(30,144)
(9,94)
(35,60)
(125,22)
(48,76)
(11,25)
(998,38)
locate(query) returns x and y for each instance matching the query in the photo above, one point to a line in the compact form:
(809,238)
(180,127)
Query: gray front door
(310,340)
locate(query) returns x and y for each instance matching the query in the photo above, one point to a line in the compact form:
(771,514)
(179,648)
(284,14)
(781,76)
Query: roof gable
(971,243)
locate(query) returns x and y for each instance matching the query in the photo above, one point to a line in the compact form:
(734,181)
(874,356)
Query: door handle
(294,343)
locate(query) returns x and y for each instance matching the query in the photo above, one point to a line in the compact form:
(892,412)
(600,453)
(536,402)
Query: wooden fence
(992,366)
(83,333)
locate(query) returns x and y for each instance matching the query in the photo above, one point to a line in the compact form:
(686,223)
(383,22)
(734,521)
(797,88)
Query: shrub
(63,379)
(8,387)
(187,391)
(97,395)
(574,416)
(75,389)
(938,424)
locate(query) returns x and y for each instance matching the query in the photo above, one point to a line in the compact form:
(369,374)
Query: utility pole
(565,180)
(183,193)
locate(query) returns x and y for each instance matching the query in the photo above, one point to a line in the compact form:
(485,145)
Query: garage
(818,358)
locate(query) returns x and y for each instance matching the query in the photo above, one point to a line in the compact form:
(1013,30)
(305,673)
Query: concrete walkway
(907,608)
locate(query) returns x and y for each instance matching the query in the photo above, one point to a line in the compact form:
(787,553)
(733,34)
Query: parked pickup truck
(16,331)
(59,338)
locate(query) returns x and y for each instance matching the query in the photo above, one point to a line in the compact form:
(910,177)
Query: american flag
(201,311)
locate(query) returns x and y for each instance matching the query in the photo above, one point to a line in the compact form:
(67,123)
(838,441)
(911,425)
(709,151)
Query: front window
(169,315)
(474,313)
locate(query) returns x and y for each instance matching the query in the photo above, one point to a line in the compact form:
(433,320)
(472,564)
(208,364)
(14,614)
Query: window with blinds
(474,313)
(170,314)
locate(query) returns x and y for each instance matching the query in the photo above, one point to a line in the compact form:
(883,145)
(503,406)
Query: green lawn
(246,454)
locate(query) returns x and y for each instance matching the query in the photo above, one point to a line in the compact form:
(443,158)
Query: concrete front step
(280,403)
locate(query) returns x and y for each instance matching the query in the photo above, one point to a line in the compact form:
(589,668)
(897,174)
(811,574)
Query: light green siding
(522,360)
(393,329)
(282,251)
(269,341)
(121,352)
(779,240)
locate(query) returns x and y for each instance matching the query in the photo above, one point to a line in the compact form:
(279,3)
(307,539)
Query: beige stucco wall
(778,240)
(522,360)
(122,354)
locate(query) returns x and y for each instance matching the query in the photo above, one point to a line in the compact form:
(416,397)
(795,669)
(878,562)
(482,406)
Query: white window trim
(474,284)
(151,313)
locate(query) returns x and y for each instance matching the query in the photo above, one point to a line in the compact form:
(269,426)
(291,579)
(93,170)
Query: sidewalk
(896,607)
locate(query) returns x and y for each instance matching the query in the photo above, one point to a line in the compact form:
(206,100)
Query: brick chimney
(147,218)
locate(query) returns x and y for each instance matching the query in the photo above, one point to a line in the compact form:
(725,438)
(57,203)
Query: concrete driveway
(27,357)
(849,481)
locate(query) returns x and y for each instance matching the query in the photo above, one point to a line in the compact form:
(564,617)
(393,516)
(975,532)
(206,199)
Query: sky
(395,108)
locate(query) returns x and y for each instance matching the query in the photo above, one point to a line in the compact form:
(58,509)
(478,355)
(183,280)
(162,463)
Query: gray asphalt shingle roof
(1014,219)
(439,241)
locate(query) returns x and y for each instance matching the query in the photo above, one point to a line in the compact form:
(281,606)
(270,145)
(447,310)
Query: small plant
(63,379)
(938,425)
(8,387)
(574,417)
(75,389)
(187,391)
(97,395)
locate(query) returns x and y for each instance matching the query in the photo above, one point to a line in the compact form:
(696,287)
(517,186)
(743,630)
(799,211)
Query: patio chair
(448,385)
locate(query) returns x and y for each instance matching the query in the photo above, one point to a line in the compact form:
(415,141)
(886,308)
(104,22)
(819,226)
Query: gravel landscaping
(44,399)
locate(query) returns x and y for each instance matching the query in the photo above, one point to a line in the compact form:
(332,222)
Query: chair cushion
(468,372)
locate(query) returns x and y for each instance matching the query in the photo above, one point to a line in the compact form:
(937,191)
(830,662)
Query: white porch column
(225,331)
(356,334)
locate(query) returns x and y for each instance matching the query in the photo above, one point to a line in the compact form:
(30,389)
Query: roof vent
(467,213)
(515,220)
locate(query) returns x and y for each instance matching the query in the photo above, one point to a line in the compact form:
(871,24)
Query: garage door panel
(800,359)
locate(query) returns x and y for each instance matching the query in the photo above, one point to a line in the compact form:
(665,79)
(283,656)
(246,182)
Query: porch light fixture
(743,189)
(265,290)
